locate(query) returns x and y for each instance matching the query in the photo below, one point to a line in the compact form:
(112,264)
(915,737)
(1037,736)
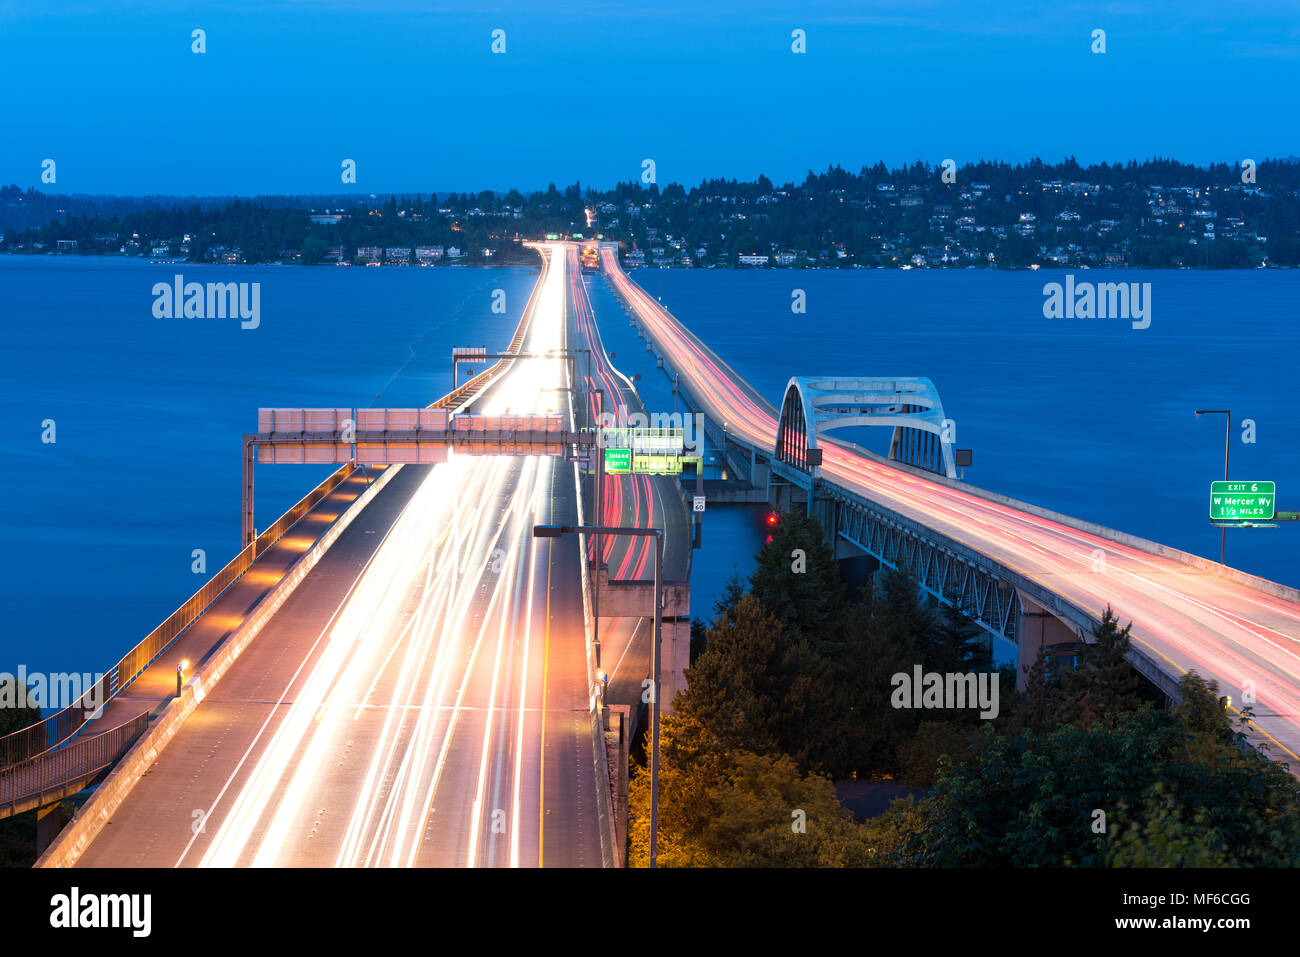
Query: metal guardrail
(52,776)
(46,735)
(304,505)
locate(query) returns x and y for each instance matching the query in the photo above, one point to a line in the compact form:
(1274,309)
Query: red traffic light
(771,519)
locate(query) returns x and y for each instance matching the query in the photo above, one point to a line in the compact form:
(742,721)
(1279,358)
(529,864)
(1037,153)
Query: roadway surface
(422,697)
(644,501)
(1184,618)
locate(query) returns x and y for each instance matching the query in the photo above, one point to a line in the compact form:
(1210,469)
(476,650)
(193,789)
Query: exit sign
(1239,501)
(618,461)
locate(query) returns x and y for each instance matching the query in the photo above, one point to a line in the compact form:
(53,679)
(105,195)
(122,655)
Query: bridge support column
(674,658)
(1038,627)
(635,599)
(49,822)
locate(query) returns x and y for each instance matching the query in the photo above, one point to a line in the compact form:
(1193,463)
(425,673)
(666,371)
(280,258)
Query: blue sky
(586,91)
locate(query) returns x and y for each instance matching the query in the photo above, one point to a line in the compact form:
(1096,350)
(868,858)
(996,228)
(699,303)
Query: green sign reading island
(618,461)
(1242,501)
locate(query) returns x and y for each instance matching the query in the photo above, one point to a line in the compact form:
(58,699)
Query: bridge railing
(50,733)
(303,506)
(33,783)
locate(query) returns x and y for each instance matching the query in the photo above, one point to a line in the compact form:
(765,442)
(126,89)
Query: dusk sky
(413,93)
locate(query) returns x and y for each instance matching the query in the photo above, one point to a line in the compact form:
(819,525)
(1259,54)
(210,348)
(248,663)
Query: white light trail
(433,602)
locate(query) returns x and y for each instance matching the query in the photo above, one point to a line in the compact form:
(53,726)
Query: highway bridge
(399,673)
(1027,575)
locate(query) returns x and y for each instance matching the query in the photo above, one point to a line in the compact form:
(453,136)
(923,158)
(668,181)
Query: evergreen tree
(1104,685)
(1034,709)
(961,645)
(899,616)
(876,729)
(756,689)
(725,604)
(12,716)
(798,581)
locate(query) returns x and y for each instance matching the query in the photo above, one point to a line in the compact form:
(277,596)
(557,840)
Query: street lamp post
(1227,444)
(555,531)
(599,453)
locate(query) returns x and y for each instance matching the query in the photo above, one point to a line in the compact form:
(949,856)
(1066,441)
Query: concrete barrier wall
(600,772)
(108,797)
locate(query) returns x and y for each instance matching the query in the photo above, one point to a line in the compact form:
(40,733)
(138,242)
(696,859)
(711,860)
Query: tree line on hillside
(789,688)
(878,216)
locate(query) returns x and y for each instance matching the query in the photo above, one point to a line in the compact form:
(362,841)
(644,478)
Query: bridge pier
(635,599)
(1038,628)
(50,821)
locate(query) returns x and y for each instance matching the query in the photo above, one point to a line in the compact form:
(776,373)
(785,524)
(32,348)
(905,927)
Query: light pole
(1227,444)
(555,531)
(599,453)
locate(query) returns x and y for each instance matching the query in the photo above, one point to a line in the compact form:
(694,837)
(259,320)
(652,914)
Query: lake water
(99,527)
(1089,417)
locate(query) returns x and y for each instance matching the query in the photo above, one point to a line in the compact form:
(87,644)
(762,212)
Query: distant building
(397,254)
(428,254)
(752,259)
(369,254)
(66,245)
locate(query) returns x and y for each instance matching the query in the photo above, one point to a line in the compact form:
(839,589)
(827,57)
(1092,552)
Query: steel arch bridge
(923,435)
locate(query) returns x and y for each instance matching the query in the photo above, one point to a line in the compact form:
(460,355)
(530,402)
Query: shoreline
(523,263)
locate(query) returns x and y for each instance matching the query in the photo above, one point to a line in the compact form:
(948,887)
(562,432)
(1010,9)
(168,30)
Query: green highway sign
(618,461)
(654,441)
(1234,501)
(657,464)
